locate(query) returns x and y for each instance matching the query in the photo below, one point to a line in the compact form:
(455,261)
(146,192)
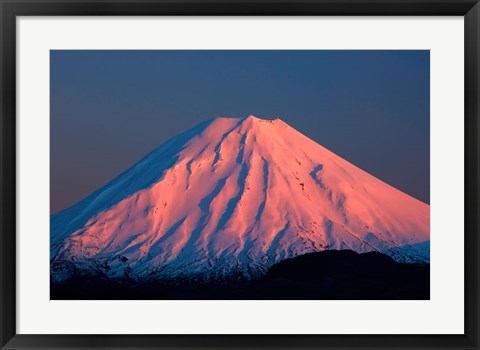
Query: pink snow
(241,195)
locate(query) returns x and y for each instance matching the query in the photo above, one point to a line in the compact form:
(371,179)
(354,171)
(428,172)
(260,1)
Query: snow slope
(228,199)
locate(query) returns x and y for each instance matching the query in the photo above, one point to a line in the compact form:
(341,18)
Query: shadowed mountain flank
(335,275)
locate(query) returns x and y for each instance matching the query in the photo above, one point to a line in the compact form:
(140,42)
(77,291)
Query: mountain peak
(254,125)
(232,131)
(255,119)
(249,121)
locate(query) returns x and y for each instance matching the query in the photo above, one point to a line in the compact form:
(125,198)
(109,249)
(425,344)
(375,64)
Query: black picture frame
(9,339)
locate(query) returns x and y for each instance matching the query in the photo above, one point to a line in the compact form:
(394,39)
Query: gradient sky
(110,108)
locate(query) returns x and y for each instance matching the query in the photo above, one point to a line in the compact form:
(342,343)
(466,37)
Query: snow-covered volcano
(230,198)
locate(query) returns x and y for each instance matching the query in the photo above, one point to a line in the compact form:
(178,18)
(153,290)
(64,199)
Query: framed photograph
(248,174)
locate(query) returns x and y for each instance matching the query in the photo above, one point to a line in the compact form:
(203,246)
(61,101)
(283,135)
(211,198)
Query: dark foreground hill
(325,275)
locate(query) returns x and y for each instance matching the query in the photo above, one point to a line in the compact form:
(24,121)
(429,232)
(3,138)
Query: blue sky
(110,108)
